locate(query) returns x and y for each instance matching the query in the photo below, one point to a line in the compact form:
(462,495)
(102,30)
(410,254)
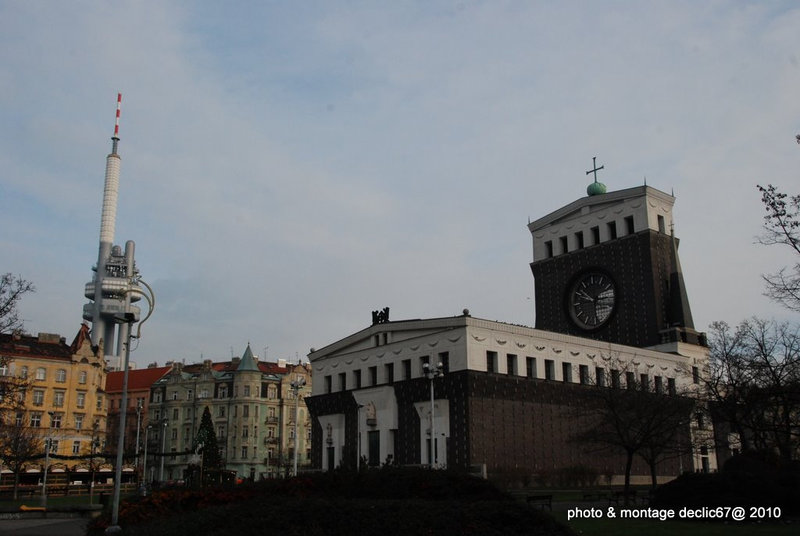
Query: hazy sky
(288,167)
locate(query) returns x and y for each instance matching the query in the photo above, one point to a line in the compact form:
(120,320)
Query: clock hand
(583,294)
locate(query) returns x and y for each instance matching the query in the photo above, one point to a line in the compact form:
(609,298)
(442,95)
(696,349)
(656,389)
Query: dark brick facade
(640,265)
(509,423)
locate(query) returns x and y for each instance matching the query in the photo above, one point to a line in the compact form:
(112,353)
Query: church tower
(606,267)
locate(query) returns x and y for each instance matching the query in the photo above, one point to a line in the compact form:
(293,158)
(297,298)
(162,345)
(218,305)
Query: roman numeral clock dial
(591,300)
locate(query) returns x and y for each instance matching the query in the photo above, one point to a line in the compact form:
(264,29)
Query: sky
(289,167)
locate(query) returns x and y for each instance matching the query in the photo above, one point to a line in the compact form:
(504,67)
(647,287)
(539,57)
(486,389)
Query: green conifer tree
(212,461)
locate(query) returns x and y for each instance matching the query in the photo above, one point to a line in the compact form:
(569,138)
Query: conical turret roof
(248,362)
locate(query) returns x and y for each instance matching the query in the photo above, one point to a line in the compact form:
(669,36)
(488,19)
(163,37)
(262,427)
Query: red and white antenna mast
(115,138)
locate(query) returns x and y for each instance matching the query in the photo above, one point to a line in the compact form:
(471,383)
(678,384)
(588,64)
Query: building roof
(42,346)
(222,371)
(138,380)
(248,362)
(597,202)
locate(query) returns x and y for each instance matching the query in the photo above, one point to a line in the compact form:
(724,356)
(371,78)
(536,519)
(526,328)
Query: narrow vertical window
(511,364)
(549,369)
(659,386)
(629,225)
(491,362)
(630,380)
(584,374)
(389,372)
(444,359)
(600,375)
(566,372)
(671,386)
(530,367)
(615,378)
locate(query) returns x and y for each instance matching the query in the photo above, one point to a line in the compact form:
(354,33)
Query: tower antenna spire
(115,138)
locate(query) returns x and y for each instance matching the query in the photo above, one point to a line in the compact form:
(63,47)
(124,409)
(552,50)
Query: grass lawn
(650,527)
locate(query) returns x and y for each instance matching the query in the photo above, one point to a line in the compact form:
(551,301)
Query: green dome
(596,188)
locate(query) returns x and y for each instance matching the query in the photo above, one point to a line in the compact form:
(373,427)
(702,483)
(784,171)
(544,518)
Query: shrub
(752,479)
(383,502)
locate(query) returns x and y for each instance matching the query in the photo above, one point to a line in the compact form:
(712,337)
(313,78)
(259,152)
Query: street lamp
(431,374)
(296,385)
(129,316)
(143,486)
(163,446)
(358,436)
(47,444)
(138,428)
(95,443)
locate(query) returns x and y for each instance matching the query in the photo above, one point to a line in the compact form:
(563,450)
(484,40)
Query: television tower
(114,285)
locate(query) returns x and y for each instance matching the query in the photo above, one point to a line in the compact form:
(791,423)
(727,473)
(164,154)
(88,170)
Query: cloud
(286,169)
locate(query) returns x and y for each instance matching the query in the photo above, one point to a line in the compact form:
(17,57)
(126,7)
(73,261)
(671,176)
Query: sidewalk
(75,526)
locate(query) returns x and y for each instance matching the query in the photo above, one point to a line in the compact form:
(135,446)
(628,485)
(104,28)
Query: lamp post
(163,446)
(138,428)
(296,385)
(432,374)
(358,437)
(94,445)
(143,487)
(47,444)
(123,410)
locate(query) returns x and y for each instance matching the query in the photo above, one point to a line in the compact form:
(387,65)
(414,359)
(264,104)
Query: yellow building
(60,395)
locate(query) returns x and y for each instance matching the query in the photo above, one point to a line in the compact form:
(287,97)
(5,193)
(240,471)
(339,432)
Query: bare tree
(636,421)
(19,443)
(754,383)
(668,421)
(12,289)
(782,227)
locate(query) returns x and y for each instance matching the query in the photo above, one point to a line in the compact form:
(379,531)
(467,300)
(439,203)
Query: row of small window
(54,444)
(406,369)
(192,412)
(40,374)
(245,433)
(245,455)
(600,374)
(133,403)
(580,242)
(267,391)
(56,420)
(59,398)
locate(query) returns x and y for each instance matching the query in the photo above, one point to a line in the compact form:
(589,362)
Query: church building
(464,392)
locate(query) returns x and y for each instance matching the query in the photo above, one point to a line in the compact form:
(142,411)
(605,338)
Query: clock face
(591,300)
